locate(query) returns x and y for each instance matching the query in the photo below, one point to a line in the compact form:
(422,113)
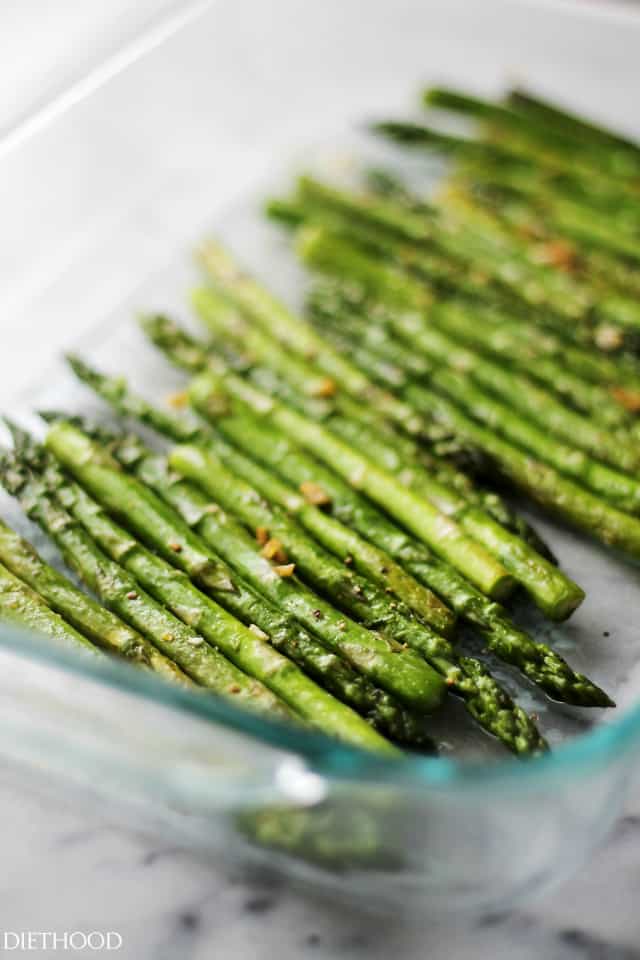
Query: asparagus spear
(119,574)
(619,489)
(466,677)
(577,178)
(572,240)
(399,671)
(503,340)
(611,305)
(550,588)
(541,482)
(485,700)
(98,625)
(352,509)
(545,142)
(449,539)
(21,605)
(552,115)
(321,250)
(298,467)
(283,632)
(307,433)
(228,324)
(418,515)
(537,285)
(474,289)
(301,696)
(373,563)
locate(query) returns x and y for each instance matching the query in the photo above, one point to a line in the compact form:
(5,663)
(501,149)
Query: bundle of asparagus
(320,521)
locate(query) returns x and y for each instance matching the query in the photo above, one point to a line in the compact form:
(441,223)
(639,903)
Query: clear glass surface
(101,209)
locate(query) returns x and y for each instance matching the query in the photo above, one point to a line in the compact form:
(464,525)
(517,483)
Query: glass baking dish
(102,203)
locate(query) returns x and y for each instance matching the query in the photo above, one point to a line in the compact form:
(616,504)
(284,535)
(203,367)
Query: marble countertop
(66,869)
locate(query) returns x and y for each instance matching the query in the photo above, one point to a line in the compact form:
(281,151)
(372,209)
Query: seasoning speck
(262,535)
(314,494)
(176,547)
(273,550)
(285,569)
(326,387)
(132,595)
(178,400)
(196,641)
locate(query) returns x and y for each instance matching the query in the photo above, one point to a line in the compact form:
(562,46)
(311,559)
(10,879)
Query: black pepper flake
(606,634)
(317,614)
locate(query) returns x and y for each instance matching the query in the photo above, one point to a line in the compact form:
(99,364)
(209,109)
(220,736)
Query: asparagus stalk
(399,671)
(611,305)
(550,588)
(485,700)
(97,624)
(321,250)
(283,632)
(473,288)
(298,467)
(554,116)
(446,537)
(524,131)
(503,340)
(508,264)
(418,515)
(307,433)
(118,577)
(619,489)
(466,677)
(21,605)
(541,482)
(307,700)
(352,509)
(297,336)
(227,324)
(573,239)
(578,178)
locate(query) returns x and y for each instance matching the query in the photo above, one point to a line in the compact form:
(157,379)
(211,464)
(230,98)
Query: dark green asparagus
(401,672)
(442,372)
(96,623)
(117,569)
(283,632)
(315,438)
(328,253)
(485,700)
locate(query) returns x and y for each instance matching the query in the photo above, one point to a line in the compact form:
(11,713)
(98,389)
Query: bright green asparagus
(21,605)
